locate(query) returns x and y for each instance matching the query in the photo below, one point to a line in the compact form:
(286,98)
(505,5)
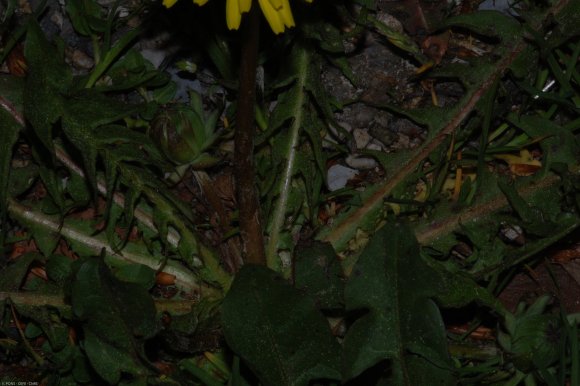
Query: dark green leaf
(84,15)
(9,130)
(62,359)
(59,268)
(11,277)
(49,322)
(318,272)
(111,55)
(166,93)
(131,71)
(110,361)
(116,317)
(487,23)
(560,145)
(277,331)
(48,79)
(92,109)
(83,113)
(197,372)
(331,39)
(219,51)
(46,239)
(313,126)
(488,249)
(393,286)
(137,274)
(70,360)
(534,219)
(128,305)
(526,64)
(285,108)
(536,341)
(48,173)
(567,19)
(78,189)
(399,39)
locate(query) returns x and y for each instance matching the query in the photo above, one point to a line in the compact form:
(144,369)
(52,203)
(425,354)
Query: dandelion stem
(249,204)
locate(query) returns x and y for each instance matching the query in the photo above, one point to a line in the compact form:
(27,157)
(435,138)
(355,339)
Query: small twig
(247,196)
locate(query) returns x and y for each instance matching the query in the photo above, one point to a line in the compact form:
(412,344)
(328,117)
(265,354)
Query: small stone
(155,56)
(338,176)
(80,60)
(361,138)
(57,19)
(375,145)
(360,162)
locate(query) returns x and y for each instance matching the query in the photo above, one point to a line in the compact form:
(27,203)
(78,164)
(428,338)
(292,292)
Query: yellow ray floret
(278,18)
(233,14)
(277,4)
(234,10)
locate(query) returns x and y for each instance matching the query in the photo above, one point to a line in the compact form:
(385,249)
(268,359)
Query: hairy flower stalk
(277,12)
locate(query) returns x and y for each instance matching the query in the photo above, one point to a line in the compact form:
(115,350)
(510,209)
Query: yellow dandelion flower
(277,12)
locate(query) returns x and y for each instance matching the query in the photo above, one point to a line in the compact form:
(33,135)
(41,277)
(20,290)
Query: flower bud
(173,131)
